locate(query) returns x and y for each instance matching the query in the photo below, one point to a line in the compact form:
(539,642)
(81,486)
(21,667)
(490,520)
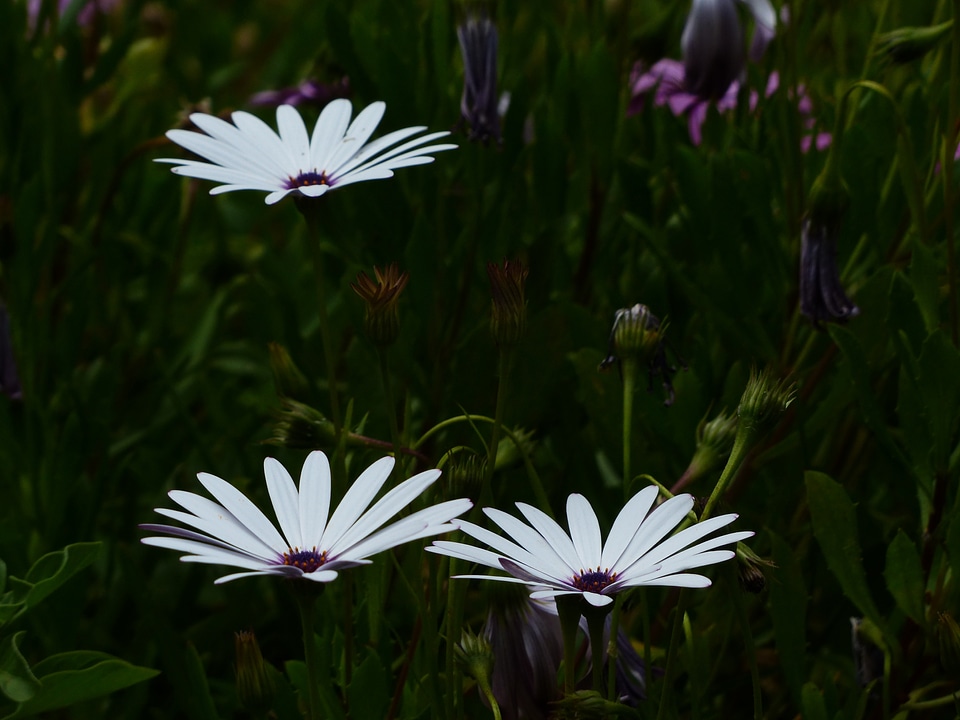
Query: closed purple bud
(479,106)
(822,297)
(712,46)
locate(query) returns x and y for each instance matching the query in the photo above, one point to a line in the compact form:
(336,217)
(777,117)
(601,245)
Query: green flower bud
(382,319)
(750,569)
(297,425)
(464,475)
(508,454)
(509,316)
(907,44)
(289,381)
(254,684)
(714,442)
(763,401)
(636,334)
(475,655)
(589,704)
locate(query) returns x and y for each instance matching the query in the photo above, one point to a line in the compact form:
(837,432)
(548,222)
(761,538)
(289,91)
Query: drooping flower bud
(300,426)
(382,318)
(714,442)
(763,401)
(750,569)
(509,454)
(254,685)
(507,282)
(638,335)
(907,44)
(479,107)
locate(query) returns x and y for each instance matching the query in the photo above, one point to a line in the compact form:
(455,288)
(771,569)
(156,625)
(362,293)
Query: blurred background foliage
(141,312)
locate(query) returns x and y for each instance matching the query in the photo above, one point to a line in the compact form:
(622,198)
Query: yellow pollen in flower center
(593,580)
(306,560)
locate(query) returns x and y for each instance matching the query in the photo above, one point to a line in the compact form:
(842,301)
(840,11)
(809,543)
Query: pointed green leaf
(50,572)
(835,527)
(75,677)
(368,694)
(904,576)
(17,681)
(812,702)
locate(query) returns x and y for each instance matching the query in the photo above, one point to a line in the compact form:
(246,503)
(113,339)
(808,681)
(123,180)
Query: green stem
(455,597)
(388,399)
(306,603)
(629,382)
(568,610)
(741,447)
(595,621)
(486,492)
(612,651)
(671,669)
(750,646)
(946,163)
(931,704)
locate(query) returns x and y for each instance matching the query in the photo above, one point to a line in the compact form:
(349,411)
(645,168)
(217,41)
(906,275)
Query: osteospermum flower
(249,155)
(314,545)
(636,552)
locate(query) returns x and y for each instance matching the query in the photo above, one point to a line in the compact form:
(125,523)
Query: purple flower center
(593,580)
(307,178)
(306,560)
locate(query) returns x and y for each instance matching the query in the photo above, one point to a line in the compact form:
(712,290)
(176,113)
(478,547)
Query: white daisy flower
(236,533)
(555,563)
(249,155)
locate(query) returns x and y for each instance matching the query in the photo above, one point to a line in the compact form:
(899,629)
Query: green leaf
(186,675)
(75,677)
(47,574)
(870,409)
(940,386)
(904,576)
(812,702)
(368,694)
(924,278)
(835,527)
(17,681)
(788,606)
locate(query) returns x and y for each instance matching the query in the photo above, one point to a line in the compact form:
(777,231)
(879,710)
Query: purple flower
(666,79)
(88,10)
(479,108)
(822,297)
(309,92)
(712,44)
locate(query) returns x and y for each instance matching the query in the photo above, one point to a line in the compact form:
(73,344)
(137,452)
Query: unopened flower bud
(509,454)
(507,282)
(382,318)
(907,44)
(476,656)
(712,44)
(464,475)
(479,106)
(589,704)
(287,378)
(750,569)
(298,425)
(638,335)
(763,401)
(254,684)
(714,442)
(948,637)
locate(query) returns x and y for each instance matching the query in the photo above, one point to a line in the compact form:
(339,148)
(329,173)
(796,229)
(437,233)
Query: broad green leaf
(185,673)
(17,681)
(788,606)
(835,527)
(50,572)
(78,676)
(812,702)
(904,576)
(368,694)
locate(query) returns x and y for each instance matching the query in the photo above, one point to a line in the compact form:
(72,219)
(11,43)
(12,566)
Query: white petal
(275,197)
(372,148)
(626,525)
(584,531)
(425,523)
(203,552)
(322,576)
(217,521)
(687,537)
(237,576)
(688,581)
(294,135)
(544,555)
(358,133)
(264,137)
(286,501)
(313,191)
(655,527)
(533,574)
(356,500)
(248,148)
(597,600)
(314,498)
(364,160)
(217,173)
(243,510)
(553,534)
(384,509)
(328,132)
(466,552)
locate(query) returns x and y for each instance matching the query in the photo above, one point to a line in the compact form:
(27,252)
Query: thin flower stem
(629,366)
(388,399)
(931,704)
(456,592)
(306,602)
(741,446)
(612,651)
(568,610)
(486,491)
(665,694)
(595,621)
(738,602)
